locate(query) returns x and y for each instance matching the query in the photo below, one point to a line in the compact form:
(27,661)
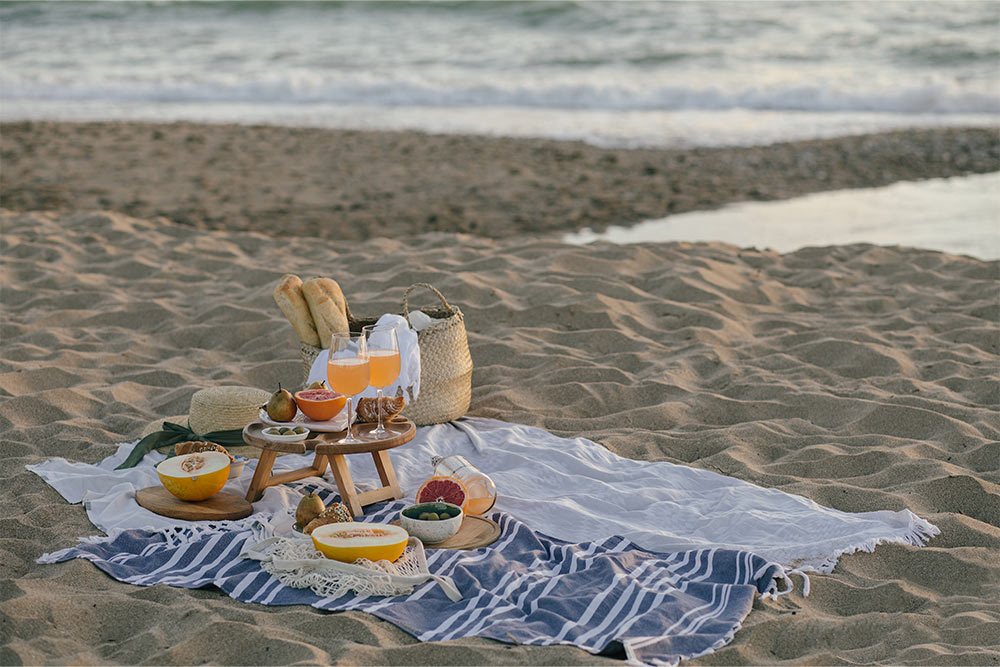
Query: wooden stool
(328,450)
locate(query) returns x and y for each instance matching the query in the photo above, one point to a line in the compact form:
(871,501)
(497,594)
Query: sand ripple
(863,377)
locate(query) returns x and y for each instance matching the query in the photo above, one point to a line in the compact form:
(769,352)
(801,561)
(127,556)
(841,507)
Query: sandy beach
(138,267)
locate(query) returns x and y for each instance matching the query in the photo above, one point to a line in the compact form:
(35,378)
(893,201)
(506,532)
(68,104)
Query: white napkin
(409,361)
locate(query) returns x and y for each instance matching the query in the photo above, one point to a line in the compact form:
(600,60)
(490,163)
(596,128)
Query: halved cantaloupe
(349,542)
(196,476)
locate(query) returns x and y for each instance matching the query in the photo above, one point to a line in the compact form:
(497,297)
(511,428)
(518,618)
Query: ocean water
(610,73)
(955,215)
(629,74)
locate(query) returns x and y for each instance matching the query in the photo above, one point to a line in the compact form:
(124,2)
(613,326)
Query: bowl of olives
(431,522)
(285,433)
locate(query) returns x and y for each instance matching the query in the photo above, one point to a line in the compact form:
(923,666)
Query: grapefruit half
(443,489)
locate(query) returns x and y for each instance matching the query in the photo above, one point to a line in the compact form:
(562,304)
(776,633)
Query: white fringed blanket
(571,489)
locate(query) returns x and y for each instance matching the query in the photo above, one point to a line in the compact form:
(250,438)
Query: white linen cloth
(571,489)
(409,361)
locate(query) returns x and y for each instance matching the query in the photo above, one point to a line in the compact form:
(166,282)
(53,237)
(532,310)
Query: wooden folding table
(329,451)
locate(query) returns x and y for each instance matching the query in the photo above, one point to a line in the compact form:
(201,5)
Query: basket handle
(406,299)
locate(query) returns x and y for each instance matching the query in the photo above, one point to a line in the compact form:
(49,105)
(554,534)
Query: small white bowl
(431,532)
(271,433)
(237,466)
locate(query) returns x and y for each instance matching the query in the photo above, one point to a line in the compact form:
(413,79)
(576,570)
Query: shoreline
(356,185)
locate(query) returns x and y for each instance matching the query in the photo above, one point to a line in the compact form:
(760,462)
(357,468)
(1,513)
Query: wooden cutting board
(220,507)
(475,532)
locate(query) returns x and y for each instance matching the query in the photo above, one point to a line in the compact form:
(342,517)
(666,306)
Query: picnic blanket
(571,489)
(668,557)
(605,596)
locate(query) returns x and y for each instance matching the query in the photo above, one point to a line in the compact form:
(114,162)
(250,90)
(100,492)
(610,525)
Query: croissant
(193,446)
(335,513)
(390,405)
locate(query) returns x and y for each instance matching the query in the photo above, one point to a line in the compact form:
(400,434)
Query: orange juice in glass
(347,372)
(383,358)
(385,367)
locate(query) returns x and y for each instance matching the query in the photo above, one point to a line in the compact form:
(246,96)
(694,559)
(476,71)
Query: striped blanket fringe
(608,596)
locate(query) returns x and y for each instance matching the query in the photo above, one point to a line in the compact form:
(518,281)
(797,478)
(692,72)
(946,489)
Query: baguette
(288,296)
(328,307)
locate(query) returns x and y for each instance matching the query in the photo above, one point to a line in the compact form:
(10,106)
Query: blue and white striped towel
(606,596)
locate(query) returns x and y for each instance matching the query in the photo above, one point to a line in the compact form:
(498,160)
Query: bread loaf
(335,513)
(195,446)
(288,296)
(368,408)
(328,307)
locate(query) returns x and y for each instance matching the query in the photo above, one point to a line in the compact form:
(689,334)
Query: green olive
(425,516)
(299,430)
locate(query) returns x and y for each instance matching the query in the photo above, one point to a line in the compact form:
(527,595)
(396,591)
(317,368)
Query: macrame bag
(297,564)
(445,362)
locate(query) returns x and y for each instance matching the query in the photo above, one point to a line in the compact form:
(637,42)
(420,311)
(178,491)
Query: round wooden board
(222,506)
(403,431)
(475,532)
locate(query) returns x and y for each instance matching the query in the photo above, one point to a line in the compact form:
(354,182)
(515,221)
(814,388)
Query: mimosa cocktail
(383,357)
(348,371)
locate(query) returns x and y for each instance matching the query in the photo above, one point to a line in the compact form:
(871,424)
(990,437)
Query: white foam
(629,129)
(600,89)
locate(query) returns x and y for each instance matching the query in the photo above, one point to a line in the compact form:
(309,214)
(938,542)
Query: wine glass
(347,372)
(383,357)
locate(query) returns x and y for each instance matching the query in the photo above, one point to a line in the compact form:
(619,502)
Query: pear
(281,407)
(317,385)
(309,508)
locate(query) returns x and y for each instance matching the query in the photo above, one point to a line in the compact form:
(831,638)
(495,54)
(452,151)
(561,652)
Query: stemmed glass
(347,372)
(383,356)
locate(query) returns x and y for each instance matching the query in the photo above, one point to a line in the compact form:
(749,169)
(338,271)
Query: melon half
(349,542)
(196,476)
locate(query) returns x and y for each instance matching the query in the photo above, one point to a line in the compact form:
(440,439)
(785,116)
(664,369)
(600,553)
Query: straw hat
(217,409)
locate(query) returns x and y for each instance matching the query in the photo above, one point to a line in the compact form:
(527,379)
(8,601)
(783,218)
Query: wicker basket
(445,362)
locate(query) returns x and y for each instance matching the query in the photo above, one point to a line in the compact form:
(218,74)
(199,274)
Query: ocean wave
(943,97)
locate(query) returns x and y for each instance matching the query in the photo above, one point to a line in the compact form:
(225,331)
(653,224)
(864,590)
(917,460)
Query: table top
(326,443)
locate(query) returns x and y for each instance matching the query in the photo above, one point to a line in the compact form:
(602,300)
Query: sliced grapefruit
(443,489)
(320,404)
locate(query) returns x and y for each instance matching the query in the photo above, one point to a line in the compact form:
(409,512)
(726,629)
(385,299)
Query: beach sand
(861,377)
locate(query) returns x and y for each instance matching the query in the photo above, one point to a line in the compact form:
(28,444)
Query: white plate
(338,423)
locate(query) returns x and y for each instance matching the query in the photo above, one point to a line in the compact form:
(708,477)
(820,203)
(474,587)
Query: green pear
(281,407)
(309,508)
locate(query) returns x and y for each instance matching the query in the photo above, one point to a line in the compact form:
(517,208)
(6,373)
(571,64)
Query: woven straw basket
(445,362)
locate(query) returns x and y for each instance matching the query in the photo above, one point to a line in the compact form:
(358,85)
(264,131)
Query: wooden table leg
(261,475)
(348,494)
(386,473)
